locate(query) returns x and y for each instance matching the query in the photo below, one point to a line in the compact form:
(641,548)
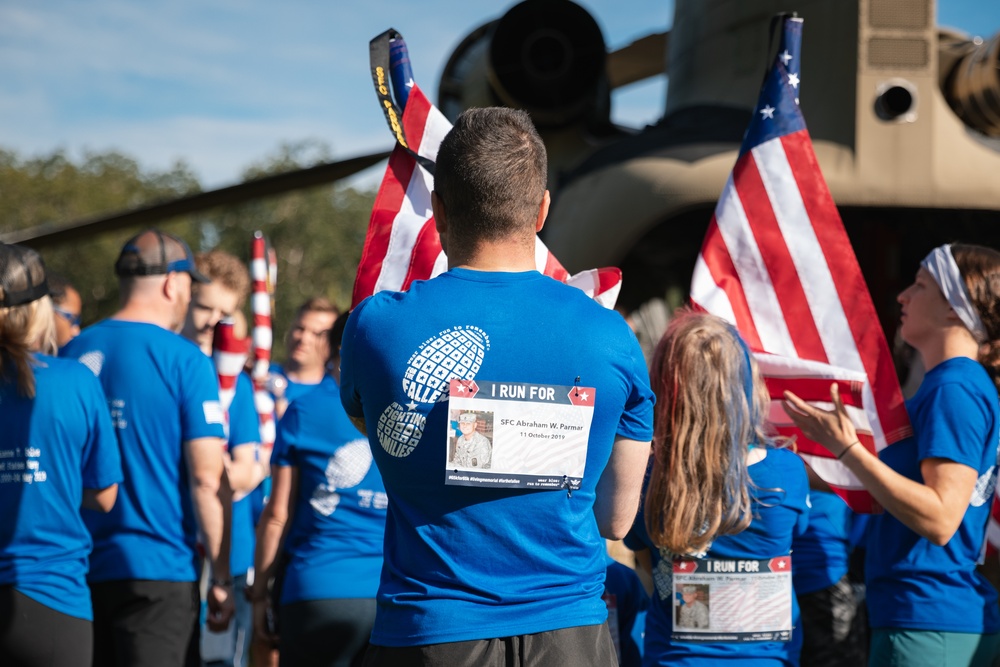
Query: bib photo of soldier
(471,449)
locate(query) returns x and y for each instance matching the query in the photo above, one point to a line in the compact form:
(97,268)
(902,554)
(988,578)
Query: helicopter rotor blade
(53,234)
(644,58)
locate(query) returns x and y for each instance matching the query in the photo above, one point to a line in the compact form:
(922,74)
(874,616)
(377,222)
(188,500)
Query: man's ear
(440,219)
(543,211)
(169,287)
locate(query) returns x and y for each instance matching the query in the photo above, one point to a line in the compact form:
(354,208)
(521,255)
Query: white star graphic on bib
(767,112)
(793,80)
(411,406)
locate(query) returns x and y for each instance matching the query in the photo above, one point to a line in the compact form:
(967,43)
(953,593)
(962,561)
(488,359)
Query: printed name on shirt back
(518,435)
(16,468)
(732,600)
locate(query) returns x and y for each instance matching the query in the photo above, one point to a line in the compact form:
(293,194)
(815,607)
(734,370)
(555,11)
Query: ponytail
(980,269)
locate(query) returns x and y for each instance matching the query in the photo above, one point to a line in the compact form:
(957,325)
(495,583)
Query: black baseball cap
(156,253)
(22,276)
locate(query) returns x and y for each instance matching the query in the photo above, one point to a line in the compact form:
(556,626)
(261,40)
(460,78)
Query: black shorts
(325,633)
(571,647)
(34,635)
(140,623)
(834,627)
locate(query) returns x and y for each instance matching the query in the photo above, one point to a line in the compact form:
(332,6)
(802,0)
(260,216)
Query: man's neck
(303,374)
(141,312)
(508,256)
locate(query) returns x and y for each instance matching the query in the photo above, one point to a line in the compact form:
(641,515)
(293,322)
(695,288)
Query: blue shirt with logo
(53,447)
(244,431)
(911,582)
(334,543)
(161,391)
(779,495)
(475,562)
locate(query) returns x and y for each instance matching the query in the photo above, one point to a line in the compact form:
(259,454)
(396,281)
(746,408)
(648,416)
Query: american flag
(777,263)
(402,244)
(229,354)
(263,274)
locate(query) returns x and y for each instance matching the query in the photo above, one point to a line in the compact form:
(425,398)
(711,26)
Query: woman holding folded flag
(927,603)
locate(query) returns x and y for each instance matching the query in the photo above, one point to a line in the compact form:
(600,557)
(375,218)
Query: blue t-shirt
(162,391)
(53,447)
(779,495)
(913,583)
(468,562)
(627,601)
(244,431)
(334,544)
(294,390)
(820,556)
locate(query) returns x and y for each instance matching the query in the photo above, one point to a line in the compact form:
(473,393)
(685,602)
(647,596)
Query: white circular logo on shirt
(453,354)
(93,360)
(345,469)
(399,430)
(983,491)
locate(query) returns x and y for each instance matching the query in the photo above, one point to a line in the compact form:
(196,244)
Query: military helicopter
(904,116)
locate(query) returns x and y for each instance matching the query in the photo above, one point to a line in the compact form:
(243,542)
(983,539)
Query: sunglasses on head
(72,318)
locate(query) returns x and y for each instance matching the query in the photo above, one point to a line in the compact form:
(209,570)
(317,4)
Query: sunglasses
(72,318)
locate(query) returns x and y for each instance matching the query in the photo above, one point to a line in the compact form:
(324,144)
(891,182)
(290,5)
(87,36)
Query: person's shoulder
(66,369)
(958,381)
(786,464)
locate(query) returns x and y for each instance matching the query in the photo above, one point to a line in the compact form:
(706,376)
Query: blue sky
(220,84)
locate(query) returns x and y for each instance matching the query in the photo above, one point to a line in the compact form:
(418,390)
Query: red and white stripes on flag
(777,262)
(263,274)
(229,354)
(402,244)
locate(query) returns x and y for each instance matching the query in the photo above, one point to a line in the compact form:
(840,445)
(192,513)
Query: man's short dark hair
(490,174)
(57,288)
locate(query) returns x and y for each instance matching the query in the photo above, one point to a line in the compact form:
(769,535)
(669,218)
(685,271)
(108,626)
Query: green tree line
(318,233)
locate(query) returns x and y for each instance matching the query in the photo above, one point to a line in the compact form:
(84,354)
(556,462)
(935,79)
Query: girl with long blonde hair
(720,498)
(58,452)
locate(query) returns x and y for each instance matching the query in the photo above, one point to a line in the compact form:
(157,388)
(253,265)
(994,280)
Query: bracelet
(847,449)
(221,583)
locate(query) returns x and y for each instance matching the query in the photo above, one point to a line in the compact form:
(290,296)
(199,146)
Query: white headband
(941,264)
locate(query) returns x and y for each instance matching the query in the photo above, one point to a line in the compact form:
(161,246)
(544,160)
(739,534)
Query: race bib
(517,435)
(732,600)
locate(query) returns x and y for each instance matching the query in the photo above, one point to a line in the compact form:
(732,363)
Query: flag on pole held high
(402,244)
(263,275)
(777,262)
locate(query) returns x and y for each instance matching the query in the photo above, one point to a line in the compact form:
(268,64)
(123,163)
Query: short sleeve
(636,422)
(101,460)
(285,452)
(201,411)
(350,394)
(952,424)
(244,424)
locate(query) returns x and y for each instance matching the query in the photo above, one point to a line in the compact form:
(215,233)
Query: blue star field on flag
(777,112)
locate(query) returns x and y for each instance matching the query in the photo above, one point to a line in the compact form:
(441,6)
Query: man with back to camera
(307,353)
(476,573)
(164,401)
(210,304)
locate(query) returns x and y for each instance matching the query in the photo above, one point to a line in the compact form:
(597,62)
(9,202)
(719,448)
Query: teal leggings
(893,647)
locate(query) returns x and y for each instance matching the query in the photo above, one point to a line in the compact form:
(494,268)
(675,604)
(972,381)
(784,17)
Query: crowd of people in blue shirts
(145,523)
